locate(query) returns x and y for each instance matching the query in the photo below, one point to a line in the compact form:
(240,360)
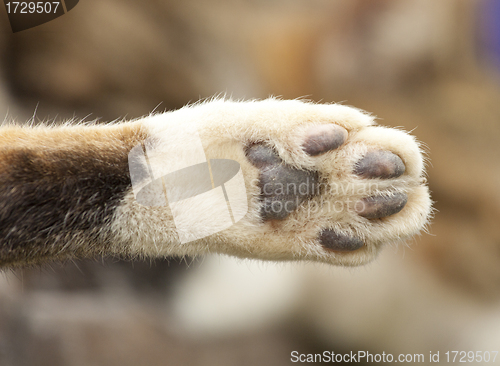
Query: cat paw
(323,182)
(332,186)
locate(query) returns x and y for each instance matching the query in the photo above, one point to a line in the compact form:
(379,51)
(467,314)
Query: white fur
(225,127)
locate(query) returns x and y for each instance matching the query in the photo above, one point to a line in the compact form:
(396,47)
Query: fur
(67,190)
(59,189)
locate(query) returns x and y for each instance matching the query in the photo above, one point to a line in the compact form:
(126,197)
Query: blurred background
(430,67)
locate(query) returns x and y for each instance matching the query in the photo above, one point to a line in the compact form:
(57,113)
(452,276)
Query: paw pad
(377,207)
(262,156)
(380,164)
(320,139)
(282,187)
(339,242)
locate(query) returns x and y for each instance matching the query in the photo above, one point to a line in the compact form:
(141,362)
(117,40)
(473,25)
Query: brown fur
(59,188)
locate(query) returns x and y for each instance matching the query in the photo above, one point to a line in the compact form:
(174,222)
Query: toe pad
(262,156)
(377,207)
(320,139)
(380,164)
(339,242)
